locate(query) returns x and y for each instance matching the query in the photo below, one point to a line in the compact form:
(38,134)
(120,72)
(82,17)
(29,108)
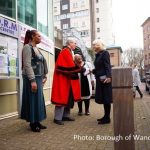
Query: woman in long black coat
(102,71)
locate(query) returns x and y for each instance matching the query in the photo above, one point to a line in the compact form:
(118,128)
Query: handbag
(102,78)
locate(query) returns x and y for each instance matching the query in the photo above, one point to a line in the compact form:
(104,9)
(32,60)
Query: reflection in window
(27,12)
(8,8)
(42,15)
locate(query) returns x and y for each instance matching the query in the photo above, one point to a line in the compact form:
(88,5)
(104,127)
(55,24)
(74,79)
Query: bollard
(123,110)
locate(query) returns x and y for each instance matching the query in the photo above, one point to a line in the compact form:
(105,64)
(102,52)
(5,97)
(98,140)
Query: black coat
(103,93)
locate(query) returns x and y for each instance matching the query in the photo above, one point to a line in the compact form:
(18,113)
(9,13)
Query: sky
(128,16)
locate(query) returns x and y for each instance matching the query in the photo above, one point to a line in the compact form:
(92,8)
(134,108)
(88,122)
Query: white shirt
(136,77)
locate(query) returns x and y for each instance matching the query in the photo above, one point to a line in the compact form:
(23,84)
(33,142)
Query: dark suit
(103,94)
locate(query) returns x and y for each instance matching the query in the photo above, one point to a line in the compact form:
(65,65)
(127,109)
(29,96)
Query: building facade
(146,43)
(80,14)
(115,53)
(16,17)
(104,21)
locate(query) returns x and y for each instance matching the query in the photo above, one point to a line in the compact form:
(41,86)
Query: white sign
(46,43)
(72,15)
(8,27)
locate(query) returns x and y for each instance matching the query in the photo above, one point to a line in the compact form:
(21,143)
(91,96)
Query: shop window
(8,8)
(27,12)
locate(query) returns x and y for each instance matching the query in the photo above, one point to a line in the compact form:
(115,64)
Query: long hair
(28,36)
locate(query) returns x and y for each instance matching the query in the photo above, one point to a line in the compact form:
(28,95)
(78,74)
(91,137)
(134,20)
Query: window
(83,24)
(65,26)
(65,7)
(98,29)
(42,16)
(97,1)
(149,46)
(8,8)
(75,5)
(97,19)
(84,33)
(97,10)
(55,9)
(82,3)
(27,12)
(145,57)
(112,54)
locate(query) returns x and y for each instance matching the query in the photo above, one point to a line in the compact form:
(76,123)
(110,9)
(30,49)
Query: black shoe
(141,96)
(59,122)
(80,114)
(104,121)
(87,113)
(41,126)
(34,127)
(100,119)
(68,119)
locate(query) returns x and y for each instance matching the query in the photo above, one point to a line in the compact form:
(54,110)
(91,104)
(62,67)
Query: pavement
(82,134)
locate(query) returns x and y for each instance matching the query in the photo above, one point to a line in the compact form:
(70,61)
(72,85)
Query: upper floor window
(112,54)
(97,1)
(145,57)
(27,12)
(75,5)
(65,26)
(98,29)
(65,7)
(8,8)
(55,9)
(97,10)
(83,24)
(97,19)
(82,3)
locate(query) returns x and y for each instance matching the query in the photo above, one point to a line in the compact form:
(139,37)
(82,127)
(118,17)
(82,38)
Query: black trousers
(107,108)
(87,104)
(139,91)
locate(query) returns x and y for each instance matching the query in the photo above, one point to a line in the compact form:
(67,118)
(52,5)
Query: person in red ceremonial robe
(66,84)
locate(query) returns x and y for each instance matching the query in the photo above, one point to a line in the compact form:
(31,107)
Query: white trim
(12,19)
(47,103)
(8,115)
(46,88)
(8,93)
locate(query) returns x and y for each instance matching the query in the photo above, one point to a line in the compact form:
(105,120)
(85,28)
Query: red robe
(62,81)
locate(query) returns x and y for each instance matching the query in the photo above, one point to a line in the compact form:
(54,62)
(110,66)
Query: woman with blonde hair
(102,71)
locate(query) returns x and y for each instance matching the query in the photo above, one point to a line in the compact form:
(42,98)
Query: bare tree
(133,56)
